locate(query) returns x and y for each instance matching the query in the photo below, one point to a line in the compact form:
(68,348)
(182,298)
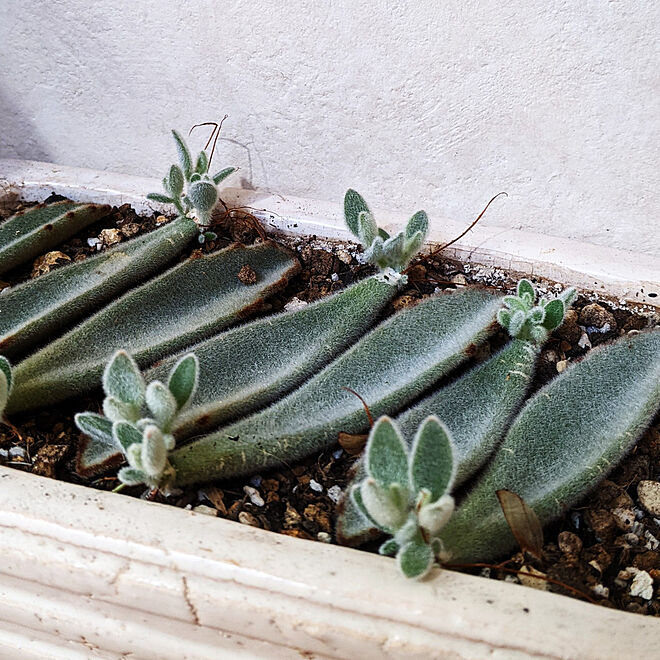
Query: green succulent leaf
(415,559)
(568,296)
(183,379)
(202,164)
(118,411)
(154,451)
(419,223)
(526,288)
(123,381)
(125,435)
(554,314)
(175,180)
(354,204)
(383,234)
(386,505)
(515,304)
(94,425)
(132,476)
(162,404)
(367,229)
(203,195)
(5,368)
(184,155)
(516,323)
(386,455)
(222,174)
(157,197)
(389,548)
(4,393)
(432,463)
(537,315)
(504,318)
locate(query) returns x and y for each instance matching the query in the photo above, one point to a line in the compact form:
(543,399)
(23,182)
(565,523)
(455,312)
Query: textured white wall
(424,103)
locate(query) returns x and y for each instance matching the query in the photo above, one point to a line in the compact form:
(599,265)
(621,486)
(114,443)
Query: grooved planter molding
(90,574)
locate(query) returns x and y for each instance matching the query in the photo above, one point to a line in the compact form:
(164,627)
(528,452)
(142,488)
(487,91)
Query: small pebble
(16,452)
(459,278)
(248,519)
(337,453)
(334,493)
(601,590)
(295,304)
(315,486)
(569,543)
(642,585)
(324,537)
(93,242)
(254,495)
(206,510)
(4,454)
(584,341)
(110,236)
(648,493)
(291,516)
(344,257)
(334,277)
(561,365)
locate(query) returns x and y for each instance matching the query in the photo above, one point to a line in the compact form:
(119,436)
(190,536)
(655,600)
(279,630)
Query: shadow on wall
(19,137)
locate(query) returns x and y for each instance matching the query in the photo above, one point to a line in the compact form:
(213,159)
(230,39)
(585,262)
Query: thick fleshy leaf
(222,174)
(386,455)
(4,392)
(418,223)
(118,411)
(162,199)
(389,548)
(161,403)
(554,314)
(125,435)
(367,229)
(516,323)
(154,451)
(415,559)
(183,379)
(387,506)
(434,516)
(203,195)
(131,476)
(432,463)
(354,204)
(565,440)
(123,381)
(184,154)
(175,181)
(526,287)
(202,164)
(100,448)
(5,368)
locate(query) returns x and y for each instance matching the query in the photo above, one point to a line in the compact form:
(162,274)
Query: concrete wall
(425,103)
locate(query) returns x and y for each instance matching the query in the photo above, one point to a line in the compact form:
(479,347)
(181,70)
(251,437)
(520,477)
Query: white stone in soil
(334,493)
(649,496)
(254,495)
(642,585)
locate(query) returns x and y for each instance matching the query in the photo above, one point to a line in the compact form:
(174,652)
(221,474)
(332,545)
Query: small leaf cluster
(144,440)
(532,321)
(5,384)
(406,492)
(380,248)
(190,187)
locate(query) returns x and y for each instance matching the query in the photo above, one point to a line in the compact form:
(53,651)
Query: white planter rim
(95,574)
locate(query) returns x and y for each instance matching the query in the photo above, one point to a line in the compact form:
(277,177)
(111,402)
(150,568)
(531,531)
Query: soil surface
(607,550)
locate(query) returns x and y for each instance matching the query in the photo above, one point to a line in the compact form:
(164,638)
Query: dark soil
(607,549)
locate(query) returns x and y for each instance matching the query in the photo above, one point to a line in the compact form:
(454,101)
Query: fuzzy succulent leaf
(432,461)
(130,476)
(354,205)
(389,367)
(123,380)
(203,195)
(367,229)
(36,309)
(184,154)
(126,435)
(202,164)
(99,447)
(158,197)
(554,314)
(495,391)
(251,366)
(37,229)
(389,548)
(154,451)
(565,440)
(386,454)
(386,505)
(5,368)
(4,392)
(220,176)
(183,379)
(175,180)
(185,304)
(434,515)
(118,411)
(415,559)
(525,287)
(383,234)
(162,404)
(418,224)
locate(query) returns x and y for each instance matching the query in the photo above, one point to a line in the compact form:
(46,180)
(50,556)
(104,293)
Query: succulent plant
(477,408)
(389,367)
(36,229)
(405,492)
(32,311)
(565,440)
(533,321)
(380,248)
(187,303)
(251,366)
(190,187)
(5,384)
(143,439)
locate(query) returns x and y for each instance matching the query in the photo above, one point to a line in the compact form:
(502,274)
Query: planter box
(89,574)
